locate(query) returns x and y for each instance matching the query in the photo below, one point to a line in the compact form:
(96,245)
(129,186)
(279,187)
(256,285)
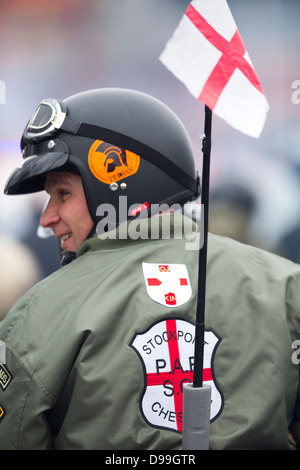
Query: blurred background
(61,47)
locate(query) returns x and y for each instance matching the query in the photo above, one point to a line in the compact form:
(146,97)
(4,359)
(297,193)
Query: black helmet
(122,143)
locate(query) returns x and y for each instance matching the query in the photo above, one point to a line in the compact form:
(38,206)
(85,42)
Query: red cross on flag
(207,54)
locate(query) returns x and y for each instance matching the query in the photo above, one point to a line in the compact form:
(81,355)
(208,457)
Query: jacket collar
(143,230)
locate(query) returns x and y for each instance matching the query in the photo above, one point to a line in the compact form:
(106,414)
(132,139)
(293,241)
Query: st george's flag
(207,54)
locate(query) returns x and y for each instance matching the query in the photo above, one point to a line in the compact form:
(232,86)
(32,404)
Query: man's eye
(63,193)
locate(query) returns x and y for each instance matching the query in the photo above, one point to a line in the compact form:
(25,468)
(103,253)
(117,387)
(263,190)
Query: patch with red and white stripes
(166,351)
(167,284)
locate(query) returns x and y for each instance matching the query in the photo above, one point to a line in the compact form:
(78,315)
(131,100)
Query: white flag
(207,54)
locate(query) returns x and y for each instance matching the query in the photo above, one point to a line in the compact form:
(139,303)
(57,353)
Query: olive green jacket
(96,354)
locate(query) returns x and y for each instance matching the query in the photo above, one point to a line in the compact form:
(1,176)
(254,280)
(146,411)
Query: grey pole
(196,417)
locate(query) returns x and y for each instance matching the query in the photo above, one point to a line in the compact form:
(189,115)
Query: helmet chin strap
(67,257)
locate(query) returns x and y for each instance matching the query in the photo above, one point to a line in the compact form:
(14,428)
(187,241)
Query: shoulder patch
(167,284)
(166,351)
(2,413)
(5,376)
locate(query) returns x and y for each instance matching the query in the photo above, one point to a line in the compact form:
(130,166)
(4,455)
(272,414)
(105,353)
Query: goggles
(51,117)
(47,118)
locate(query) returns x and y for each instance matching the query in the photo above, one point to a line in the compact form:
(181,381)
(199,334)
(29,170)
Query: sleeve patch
(5,377)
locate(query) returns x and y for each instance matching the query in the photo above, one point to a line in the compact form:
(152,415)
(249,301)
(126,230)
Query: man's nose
(49,216)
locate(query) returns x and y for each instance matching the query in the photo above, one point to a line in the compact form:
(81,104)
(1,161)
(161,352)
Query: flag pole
(197,396)
(200,315)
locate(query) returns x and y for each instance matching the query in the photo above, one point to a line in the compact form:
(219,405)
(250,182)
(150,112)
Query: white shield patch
(166,351)
(167,284)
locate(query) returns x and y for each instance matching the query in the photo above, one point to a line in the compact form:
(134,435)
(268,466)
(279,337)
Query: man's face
(66,213)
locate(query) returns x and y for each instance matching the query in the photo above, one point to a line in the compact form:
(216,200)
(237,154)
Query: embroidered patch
(166,351)
(167,284)
(5,377)
(2,413)
(110,163)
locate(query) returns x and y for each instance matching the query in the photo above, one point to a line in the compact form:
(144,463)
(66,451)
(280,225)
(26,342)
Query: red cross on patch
(167,353)
(167,284)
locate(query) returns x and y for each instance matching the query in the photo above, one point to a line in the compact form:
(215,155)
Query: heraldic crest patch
(167,284)
(166,351)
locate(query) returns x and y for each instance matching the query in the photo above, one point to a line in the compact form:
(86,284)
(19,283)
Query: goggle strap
(70,125)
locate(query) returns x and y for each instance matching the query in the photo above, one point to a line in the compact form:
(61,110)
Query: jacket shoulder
(236,252)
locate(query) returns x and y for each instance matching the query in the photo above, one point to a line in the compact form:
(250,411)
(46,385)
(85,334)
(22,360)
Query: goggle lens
(42,117)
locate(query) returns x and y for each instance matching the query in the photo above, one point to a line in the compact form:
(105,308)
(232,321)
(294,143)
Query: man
(66,213)
(97,354)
